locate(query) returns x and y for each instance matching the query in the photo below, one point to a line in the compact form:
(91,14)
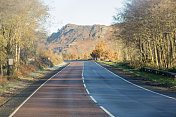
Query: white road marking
(11,115)
(87,91)
(137,85)
(93,99)
(83,71)
(107,111)
(84,86)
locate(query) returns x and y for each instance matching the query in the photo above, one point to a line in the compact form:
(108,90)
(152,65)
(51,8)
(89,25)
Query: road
(86,89)
(122,98)
(61,96)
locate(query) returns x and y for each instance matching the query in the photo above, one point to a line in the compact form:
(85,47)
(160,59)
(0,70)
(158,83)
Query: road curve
(63,96)
(123,99)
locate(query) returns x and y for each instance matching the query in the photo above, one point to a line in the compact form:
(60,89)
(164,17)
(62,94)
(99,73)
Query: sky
(81,12)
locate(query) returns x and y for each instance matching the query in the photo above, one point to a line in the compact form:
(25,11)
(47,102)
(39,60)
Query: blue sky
(81,12)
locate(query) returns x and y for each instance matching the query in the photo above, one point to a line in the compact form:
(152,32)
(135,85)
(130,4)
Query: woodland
(144,35)
(22,38)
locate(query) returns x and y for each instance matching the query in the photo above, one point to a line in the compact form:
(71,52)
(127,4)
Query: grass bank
(148,76)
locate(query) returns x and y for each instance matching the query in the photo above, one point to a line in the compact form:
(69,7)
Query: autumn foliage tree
(102,52)
(99,50)
(86,56)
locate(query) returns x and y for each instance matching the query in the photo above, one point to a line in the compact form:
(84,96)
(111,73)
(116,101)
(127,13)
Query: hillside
(76,38)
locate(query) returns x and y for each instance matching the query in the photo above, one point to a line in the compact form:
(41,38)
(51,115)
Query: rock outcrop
(77,37)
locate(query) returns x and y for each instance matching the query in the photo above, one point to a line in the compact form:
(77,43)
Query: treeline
(101,51)
(20,33)
(146,31)
(75,56)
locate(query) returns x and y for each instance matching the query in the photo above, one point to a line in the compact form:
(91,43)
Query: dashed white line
(87,91)
(137,85)
(107,111)
(84,86)
(83,71)
(93,99)
(11,115)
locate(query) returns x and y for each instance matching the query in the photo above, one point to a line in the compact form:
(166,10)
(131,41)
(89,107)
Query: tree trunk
(1,72)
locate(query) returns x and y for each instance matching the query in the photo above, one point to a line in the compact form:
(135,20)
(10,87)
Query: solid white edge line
(138,85)
(107,111)
(12,114)
(93,99)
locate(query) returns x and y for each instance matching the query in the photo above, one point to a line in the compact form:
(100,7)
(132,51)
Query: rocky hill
(77,38)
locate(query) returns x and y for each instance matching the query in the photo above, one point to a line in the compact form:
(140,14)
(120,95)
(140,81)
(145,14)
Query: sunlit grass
(154,77)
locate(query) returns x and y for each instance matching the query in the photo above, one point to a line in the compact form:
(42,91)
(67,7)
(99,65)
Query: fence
(160,72)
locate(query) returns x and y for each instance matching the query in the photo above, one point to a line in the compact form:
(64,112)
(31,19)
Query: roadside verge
(17,98)
(140,81)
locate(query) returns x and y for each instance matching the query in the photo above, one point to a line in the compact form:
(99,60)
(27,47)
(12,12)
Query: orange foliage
(86,56)
(102,52)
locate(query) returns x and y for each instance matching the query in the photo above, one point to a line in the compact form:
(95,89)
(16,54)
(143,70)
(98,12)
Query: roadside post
(49,61)
(10,62)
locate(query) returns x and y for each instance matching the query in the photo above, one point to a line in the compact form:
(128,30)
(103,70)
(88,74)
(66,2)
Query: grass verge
(9,88)
(169,82)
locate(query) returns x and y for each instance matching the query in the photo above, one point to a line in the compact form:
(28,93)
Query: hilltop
(77,38)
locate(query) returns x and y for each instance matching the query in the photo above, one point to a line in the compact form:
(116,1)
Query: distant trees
(148,32)
(86,56)
(70,56)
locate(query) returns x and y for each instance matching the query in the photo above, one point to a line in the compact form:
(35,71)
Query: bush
(3,81)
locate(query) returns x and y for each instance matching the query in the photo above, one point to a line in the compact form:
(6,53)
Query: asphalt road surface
(63,95)
(86,89)
(122,98)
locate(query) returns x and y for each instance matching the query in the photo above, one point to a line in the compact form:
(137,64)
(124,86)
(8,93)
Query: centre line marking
(93,99)
(84,86)
(87,91)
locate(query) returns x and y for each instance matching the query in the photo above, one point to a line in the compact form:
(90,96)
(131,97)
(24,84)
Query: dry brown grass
(26,69)
(3,81)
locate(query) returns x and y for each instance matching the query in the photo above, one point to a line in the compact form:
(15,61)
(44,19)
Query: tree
(19,21)
(99,50)
(148,27)
(86,56)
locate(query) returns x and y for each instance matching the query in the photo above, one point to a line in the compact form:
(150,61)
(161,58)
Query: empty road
(62,96)
(123,99)
(85,89)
